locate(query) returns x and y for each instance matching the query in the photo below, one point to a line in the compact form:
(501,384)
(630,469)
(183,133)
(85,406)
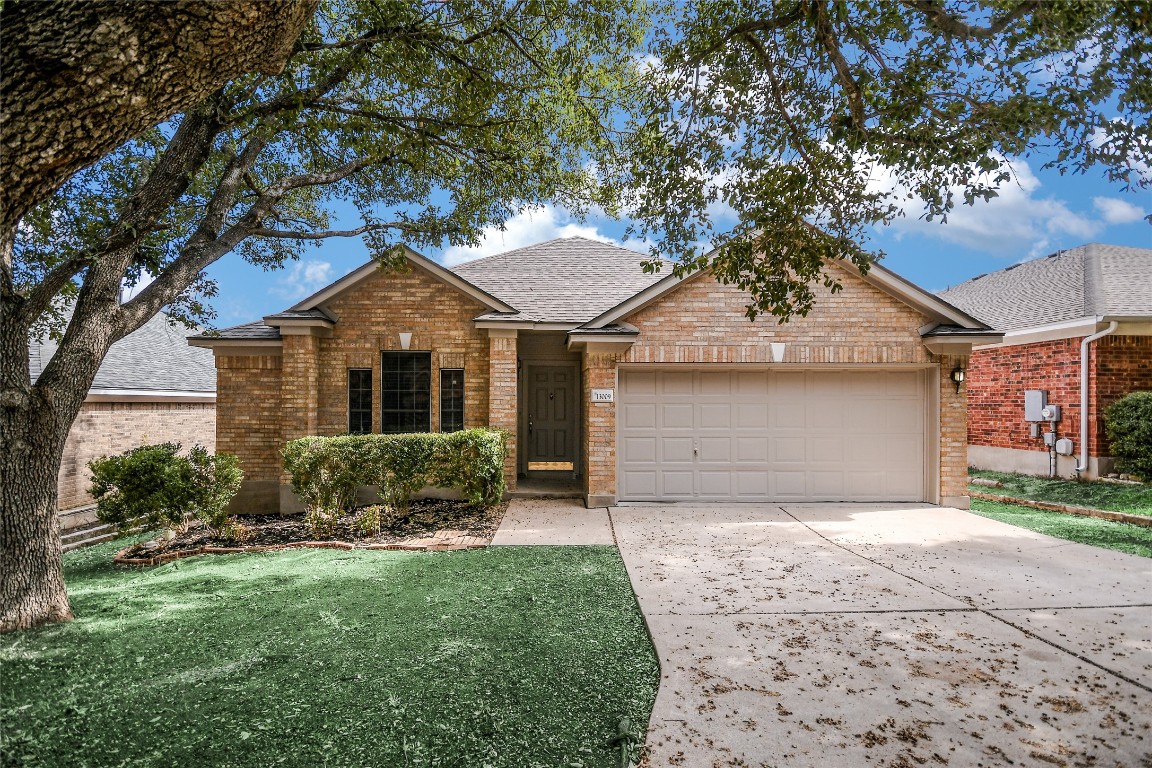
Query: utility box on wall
(1035,400)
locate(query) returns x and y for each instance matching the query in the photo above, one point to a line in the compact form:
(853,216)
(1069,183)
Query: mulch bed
(432,525)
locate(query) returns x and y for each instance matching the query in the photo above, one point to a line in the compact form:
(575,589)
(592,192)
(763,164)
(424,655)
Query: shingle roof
(570,280)
(256,331)
(155,357)
(1090,280)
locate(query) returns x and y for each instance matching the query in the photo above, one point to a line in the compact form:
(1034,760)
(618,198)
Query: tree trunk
(31,574)
(79,79)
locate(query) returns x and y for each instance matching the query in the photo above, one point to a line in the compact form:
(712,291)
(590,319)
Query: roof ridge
(504,254)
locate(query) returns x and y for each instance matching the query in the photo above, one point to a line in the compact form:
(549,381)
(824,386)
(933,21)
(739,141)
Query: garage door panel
(676,416)
(638,416)
(715,484)
(715,415)
(676,449)
(751,416)
(714,449)
(638,449)
(677,483)
(752,449)
(768,435)
(676,383)
(714,383)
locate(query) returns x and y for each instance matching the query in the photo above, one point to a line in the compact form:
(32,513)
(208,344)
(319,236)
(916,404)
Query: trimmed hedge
(1128,423)
(326,471)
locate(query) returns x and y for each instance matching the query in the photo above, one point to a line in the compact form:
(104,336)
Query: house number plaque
(603,395)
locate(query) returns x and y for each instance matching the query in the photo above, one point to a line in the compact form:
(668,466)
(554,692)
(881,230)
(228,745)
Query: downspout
(1082,464)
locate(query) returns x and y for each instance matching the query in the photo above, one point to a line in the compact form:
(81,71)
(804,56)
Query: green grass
(1122,537)
(1117,497)
(499,657)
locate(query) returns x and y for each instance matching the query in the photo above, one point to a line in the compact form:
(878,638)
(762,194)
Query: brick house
(638,387)
(151,388)
(1080,315)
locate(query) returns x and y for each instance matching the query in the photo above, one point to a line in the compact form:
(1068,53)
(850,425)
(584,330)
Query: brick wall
(998,377)
(371,317)
(248,425)
(103,429)
(1123,364)
(704,322)
(502,395)
(599,429)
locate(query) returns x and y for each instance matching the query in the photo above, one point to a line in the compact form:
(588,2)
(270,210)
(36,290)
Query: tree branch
(954,26)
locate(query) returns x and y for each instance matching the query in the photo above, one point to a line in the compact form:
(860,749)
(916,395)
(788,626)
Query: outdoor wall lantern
(777,351)
(405,340)
(957,376)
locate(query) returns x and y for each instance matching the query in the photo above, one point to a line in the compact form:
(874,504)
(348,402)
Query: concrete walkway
(818,635)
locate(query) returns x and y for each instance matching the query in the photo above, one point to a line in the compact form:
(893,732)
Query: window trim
(427,355)
(370,409)
(463,399)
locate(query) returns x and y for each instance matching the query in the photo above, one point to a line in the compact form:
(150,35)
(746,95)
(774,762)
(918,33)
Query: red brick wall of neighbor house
(997,379)
(371,317)
(1123,365)
(103,429)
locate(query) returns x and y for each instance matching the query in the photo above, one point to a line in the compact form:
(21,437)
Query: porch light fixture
(777,351)
(957,376)
(405,341)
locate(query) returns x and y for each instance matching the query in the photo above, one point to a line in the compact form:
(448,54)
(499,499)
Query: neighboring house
(1080,314)
(644,387)
(151,388)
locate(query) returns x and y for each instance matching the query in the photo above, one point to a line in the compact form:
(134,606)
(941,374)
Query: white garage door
(725,435)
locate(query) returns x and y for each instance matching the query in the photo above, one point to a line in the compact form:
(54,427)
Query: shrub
(154,485)
(326,471)
(235,530)
(1128,423)
(215,479)
(367,520)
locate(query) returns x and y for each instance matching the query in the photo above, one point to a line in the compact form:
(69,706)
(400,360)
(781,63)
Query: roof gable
(367,270)
(932,307)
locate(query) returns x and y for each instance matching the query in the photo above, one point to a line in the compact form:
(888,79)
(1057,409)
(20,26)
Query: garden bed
(432,524)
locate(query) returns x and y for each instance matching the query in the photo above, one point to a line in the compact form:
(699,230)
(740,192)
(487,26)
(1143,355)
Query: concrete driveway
(852,635)
(857,635)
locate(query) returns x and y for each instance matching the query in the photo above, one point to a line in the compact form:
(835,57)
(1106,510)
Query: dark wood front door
(551,415)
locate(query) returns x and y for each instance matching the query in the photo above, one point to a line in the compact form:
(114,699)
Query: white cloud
(530,226)
(1117,211)
(1017,222)
(301,279)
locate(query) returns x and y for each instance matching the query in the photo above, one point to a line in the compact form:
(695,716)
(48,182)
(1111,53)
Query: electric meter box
(1050,412)
(1034,402)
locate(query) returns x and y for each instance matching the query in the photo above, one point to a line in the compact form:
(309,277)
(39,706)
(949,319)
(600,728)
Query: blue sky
(1040,213)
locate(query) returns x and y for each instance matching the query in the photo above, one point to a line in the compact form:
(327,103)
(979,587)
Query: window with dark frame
(451,399)
(359,401)
(405,392)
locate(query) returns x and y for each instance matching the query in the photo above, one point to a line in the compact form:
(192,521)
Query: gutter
(1082,464)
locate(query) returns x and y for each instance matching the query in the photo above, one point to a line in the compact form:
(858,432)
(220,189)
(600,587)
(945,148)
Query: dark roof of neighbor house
(1090,280)
(570,280)
(154,358)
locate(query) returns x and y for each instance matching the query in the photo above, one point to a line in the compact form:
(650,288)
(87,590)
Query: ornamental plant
(1128,424)
(153,485)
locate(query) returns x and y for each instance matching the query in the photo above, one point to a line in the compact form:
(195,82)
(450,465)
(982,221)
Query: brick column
(299,401)
(953,435)
(502,390)
(599,432)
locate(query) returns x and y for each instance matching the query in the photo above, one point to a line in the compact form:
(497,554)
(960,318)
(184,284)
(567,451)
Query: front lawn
(1122,537)
(523,656)
(1117,497)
